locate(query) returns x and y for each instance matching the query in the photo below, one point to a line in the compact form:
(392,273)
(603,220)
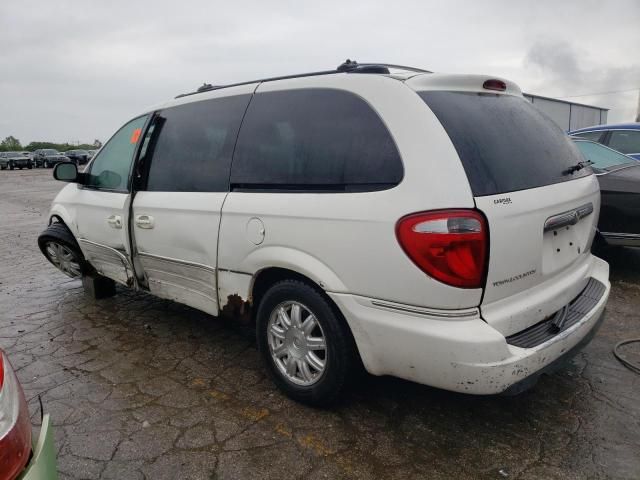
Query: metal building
(569,115)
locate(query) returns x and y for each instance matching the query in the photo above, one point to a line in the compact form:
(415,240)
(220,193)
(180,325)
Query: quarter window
(314,140)
(593,136)
(625,141)
(110,169)
(192,145)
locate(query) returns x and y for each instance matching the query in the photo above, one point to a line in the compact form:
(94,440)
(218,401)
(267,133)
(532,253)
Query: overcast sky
(77,70)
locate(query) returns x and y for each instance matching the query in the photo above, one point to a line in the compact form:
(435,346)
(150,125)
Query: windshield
(50,152)
(601,156)
(13,154)
(505,143)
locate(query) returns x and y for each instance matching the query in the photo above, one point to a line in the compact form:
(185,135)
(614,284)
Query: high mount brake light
(15,425)
(448,245)
(495,84)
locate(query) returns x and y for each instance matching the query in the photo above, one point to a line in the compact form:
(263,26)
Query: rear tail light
(15,426)
(448,245)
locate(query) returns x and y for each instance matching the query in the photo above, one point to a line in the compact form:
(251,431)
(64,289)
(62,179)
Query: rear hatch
(541,206)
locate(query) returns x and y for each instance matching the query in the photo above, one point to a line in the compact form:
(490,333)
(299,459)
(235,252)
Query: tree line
(12,144)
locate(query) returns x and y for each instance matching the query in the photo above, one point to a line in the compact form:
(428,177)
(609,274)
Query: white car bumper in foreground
(458,351)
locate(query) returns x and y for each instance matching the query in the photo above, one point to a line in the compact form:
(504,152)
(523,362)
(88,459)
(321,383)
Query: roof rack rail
(349,66)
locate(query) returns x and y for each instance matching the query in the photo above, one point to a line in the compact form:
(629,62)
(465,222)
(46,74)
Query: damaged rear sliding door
(184,182)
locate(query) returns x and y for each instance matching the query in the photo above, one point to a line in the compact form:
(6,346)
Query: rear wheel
(305,343)
(45,164)
(61,249)
(11,167)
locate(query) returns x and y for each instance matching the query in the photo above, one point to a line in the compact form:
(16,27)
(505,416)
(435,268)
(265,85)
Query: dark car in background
(48,157)
(623,137)
(12,160)
(79,157)
(619,178)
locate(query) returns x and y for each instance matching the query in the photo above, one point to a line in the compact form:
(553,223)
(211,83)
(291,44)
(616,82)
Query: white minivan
(433,227)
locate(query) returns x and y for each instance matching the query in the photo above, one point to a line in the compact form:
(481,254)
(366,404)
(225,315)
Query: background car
(13,160)
(19,458)
(623,137)
(48,157)
(79,157)
(619,178)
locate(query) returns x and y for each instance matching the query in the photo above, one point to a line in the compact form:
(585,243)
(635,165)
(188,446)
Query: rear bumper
(459,353)
(43,462)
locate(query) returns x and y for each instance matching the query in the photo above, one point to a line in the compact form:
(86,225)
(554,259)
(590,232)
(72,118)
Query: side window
(593,136)
(625,141)
(192,145)
(110,169)
(314,139)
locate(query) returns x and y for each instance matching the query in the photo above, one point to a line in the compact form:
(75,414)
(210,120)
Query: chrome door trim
(623,239)
(102,258)
(175,260)
(186,282)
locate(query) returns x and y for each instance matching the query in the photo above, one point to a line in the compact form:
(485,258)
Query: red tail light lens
(494,84)
(448,245)
(15,425)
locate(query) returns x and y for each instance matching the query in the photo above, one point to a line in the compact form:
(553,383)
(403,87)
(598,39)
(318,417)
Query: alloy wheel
(297,343)
(63,258)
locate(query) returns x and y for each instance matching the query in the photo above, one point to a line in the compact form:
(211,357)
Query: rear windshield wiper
(577,167)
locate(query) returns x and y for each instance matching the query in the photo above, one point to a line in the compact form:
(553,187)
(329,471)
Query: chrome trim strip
(570,217)
(621,235)
(234,271)
(178,262)
(471,312)
(622,239)
(96,256)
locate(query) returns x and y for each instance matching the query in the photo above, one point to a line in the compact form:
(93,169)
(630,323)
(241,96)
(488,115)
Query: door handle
(115,221)
(144,221)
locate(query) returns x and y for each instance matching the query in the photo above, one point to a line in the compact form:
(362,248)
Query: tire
(45,164)
(59,246)
(30,166)
(11,167)
(296,372)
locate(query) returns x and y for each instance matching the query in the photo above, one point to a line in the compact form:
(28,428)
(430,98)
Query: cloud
(566,70)
(77,70)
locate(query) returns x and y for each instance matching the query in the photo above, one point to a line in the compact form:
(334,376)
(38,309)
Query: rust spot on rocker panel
(237,308)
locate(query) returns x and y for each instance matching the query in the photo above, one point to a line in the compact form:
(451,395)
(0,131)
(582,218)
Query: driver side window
(110,169)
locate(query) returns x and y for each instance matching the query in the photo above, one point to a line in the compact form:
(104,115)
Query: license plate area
(565,238)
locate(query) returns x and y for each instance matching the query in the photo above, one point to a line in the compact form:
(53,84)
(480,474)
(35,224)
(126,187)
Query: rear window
(505,144)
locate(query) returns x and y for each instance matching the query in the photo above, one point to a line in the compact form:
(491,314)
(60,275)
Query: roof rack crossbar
(347,67)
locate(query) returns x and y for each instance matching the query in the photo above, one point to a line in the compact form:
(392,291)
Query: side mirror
(66,172)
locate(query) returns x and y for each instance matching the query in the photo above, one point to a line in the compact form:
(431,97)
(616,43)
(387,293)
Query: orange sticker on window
(135,136)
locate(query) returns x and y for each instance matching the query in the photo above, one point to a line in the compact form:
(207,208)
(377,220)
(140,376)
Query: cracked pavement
(141,388)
